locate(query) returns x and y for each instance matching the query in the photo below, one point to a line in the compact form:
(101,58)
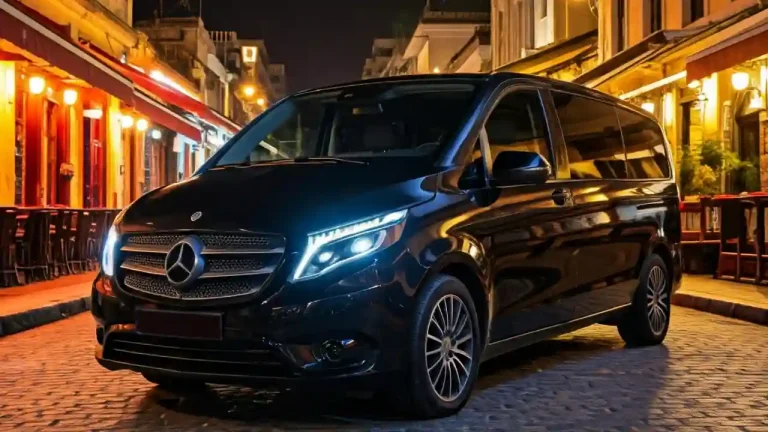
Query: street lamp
(249,90)
(36,85)
(70,96)
(740,80)
(142,125)
(126,121)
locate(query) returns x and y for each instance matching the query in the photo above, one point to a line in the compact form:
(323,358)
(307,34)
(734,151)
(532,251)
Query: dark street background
(321,42)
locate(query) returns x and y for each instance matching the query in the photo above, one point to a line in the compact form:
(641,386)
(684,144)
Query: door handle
(562,196)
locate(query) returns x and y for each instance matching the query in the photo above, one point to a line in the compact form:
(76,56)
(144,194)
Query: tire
(647,321)
(172,383)
(426,392)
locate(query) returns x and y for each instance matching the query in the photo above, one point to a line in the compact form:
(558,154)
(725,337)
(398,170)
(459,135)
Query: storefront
(82,129)
(707,86)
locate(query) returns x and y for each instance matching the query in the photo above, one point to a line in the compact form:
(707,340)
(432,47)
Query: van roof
(485,77)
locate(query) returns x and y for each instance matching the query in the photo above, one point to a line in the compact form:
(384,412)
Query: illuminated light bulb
(156,134)
(126,121)
(361,245)
(648,106)
(249,91)
(740,80)
(261,102)
(694,84)
(70,96)
(142,125)
(95,113)
(324,257)
(36,85)
(436,70)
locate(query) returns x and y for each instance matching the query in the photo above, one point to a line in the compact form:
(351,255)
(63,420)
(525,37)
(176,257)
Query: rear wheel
(647,321)
(444,350)
(172,383)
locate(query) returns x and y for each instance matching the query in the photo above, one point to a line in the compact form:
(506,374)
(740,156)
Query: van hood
(291,199)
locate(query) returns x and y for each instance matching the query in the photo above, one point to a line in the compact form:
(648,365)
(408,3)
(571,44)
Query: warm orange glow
(649,106)
(36,85)
(95,113)
(740,80)
(436,70)
(142,125)
(261,102)
(249,90)
(126,121)
(70,96)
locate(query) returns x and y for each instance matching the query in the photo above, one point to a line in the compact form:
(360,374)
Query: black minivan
(397,232)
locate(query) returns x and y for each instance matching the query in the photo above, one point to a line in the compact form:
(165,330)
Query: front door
(532,265)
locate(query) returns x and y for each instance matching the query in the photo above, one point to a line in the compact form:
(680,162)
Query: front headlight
(108,258)
(329,249)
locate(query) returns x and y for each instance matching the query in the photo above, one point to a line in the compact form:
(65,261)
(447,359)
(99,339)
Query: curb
(724,308)
(30,319)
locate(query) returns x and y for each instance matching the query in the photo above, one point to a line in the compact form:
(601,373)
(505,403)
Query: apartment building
(556,38)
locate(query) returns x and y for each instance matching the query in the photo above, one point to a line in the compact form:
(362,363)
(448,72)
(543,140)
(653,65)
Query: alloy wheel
(449,347)
(658,300)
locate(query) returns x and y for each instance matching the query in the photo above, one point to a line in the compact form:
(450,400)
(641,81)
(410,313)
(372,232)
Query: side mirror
(519,167)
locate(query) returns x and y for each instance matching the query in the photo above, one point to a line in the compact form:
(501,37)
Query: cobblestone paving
(712,374)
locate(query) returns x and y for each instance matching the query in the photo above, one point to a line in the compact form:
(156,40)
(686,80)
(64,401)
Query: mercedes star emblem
(195,216)
(184,263)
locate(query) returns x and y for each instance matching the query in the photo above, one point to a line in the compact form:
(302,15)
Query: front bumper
(269,340)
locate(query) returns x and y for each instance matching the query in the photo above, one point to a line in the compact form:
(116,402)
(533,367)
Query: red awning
(164,116)
(167,94)
(738,49)
(20,29)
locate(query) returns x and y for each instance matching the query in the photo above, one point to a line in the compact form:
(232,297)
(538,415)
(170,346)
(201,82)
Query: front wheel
(647,321)
(445,348)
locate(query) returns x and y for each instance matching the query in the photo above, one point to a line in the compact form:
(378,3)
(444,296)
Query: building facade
(701,67)
(91,116)
(257,83)
(451,36)
(556,38)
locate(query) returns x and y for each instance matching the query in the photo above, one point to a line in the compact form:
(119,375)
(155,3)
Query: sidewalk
(29,306)
(743,301)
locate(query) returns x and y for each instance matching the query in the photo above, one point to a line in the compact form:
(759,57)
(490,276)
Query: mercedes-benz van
(397,232)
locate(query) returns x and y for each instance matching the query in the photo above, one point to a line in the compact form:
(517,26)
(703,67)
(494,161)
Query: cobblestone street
(712,374)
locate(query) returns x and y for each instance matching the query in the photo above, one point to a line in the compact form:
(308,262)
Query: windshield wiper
(327,159)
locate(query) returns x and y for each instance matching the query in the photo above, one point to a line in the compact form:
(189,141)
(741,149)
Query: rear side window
(644,144)
(592,137)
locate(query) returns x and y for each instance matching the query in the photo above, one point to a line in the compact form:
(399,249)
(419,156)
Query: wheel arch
(465,268)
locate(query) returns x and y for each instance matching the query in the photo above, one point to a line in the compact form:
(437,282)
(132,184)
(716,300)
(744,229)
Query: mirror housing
(512,168)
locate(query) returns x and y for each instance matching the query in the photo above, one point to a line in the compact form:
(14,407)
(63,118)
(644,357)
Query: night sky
(321,42)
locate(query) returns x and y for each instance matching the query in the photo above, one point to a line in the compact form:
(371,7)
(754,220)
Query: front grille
(234,264)
(240,358)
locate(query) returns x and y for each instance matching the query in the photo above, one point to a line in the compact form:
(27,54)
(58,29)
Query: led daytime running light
(108,259)
(316,241)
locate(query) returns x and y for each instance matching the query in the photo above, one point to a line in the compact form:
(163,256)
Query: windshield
(373,120)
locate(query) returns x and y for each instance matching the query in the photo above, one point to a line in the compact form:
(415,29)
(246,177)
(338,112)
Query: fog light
(332,350)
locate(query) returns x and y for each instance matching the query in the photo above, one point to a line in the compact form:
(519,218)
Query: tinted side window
(592,137)
(644,143)
(517,123)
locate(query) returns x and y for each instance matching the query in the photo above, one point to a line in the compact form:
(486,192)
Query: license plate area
(193,325)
